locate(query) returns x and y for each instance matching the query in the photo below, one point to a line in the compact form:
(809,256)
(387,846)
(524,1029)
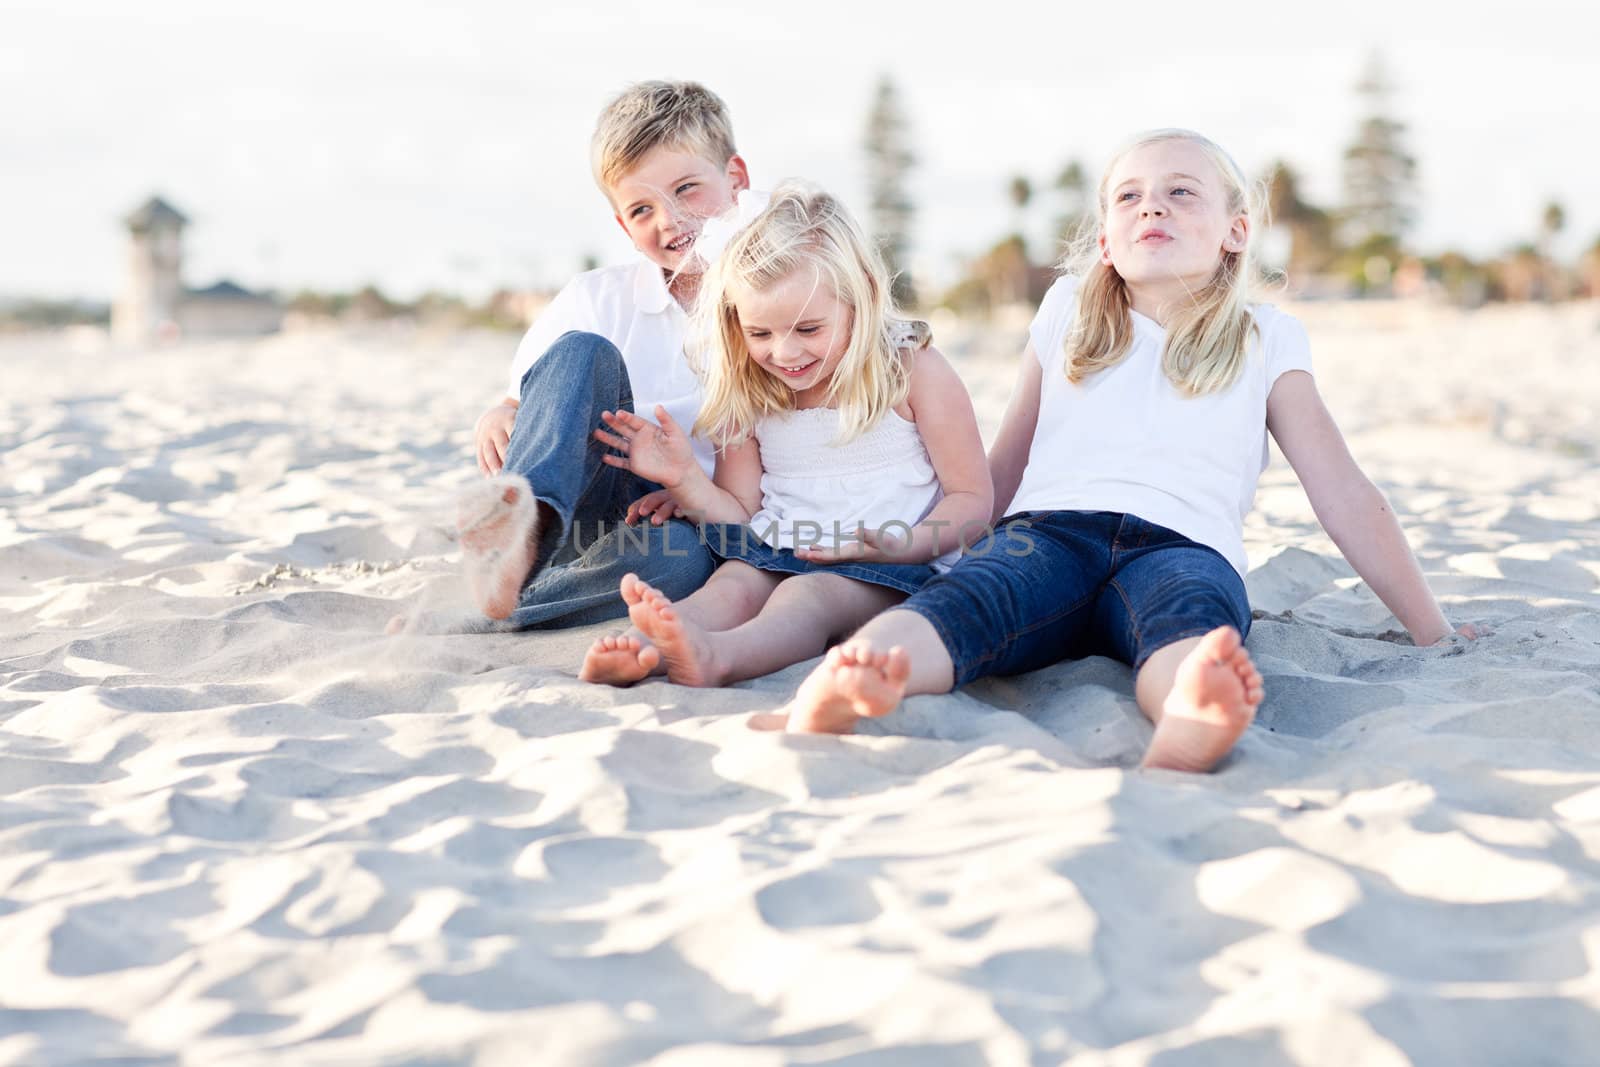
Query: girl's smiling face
(796,330)
(1168,221)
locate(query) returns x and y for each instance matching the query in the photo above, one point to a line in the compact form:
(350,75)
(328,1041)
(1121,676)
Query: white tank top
(880,479)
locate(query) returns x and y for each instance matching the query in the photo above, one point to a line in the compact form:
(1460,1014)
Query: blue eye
(686,186)
(1181,189)
(636,212)
(1126,196)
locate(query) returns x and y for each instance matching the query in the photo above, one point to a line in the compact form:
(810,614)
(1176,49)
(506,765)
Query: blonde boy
(541,537)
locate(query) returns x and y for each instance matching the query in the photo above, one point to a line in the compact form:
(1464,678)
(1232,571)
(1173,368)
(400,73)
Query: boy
(541,537)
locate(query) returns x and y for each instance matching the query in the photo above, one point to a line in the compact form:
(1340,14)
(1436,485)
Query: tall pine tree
(889,161)
(1380,175)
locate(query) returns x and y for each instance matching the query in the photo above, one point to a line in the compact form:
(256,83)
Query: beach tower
(152,289)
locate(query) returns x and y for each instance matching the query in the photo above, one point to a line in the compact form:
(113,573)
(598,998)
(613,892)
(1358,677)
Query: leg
(733,595)
(795,624)
(553,477)
(1177,611)
(669,557)
(1020,600)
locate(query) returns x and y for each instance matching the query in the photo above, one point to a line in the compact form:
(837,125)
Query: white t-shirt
(1126,440)
(628,305)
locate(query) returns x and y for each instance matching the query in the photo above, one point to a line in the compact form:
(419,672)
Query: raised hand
(656,451)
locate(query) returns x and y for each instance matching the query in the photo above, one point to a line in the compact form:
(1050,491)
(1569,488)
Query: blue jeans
(1054,585)
(585,552)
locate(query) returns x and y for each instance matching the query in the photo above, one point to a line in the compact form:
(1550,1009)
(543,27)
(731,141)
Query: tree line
(1359,247)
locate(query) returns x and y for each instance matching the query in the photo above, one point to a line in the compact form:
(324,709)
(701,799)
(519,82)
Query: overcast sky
(421,145)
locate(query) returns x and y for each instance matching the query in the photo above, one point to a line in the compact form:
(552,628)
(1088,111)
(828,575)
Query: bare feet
(498,520)
(1214,698)
(852,682)
(620,659)
(685,649)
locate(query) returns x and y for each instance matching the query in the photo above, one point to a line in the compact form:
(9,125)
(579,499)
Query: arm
(1352,510)
(1009,456)
(659,451)
(942,410)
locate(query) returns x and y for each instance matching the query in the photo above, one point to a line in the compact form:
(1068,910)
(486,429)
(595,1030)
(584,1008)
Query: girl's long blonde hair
(802,228)
(1207,339)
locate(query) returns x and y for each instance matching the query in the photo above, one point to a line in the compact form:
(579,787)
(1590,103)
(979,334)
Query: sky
(445,145)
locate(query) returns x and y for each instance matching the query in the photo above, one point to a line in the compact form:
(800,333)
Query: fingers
(665,421)
(612,440)
(624,422)
(653,503)
(490,459)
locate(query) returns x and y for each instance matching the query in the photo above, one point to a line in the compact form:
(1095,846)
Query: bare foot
(620,659)
(853,682)
(686,649)
(499,525)
(1214,698)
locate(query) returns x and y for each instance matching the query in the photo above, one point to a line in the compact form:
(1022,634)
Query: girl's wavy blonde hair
(802,228)
(1208,338)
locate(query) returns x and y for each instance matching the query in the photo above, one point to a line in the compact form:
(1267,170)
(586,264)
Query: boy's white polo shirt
(628,305)
(1126,440)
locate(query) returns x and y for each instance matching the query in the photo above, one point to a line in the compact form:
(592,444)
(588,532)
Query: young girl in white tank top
(849,466)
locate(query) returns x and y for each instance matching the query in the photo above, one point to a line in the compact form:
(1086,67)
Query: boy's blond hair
(1207,339)
(649,114)
(802,229)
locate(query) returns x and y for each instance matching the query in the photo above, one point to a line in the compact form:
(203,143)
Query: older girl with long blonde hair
(849,463)
(1127,460)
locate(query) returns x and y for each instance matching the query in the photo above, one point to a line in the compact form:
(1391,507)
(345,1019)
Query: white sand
(238,825)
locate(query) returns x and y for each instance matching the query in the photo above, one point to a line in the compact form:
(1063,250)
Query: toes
(897,665)
(1220,644)
(853,653)
(649,656)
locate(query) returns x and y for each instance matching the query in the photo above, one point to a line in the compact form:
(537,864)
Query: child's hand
(658,507)
(1467,631)
(492,434)
(657,453)
(870,546)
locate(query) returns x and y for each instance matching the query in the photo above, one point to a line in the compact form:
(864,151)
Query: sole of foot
(1213,701)
(498,522)
(853,682)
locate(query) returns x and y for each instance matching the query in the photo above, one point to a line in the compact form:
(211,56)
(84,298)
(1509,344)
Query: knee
(577,353)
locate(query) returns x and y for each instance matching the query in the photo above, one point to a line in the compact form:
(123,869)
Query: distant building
(153,303)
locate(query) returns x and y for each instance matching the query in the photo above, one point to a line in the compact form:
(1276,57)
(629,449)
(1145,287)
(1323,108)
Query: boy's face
(663,201)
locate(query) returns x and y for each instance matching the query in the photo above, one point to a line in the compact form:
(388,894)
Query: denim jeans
(585,553)
(1054,585)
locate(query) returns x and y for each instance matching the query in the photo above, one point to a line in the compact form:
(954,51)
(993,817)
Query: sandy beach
(239,825)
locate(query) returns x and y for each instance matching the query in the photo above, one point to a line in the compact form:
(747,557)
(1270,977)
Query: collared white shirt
(628,305)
